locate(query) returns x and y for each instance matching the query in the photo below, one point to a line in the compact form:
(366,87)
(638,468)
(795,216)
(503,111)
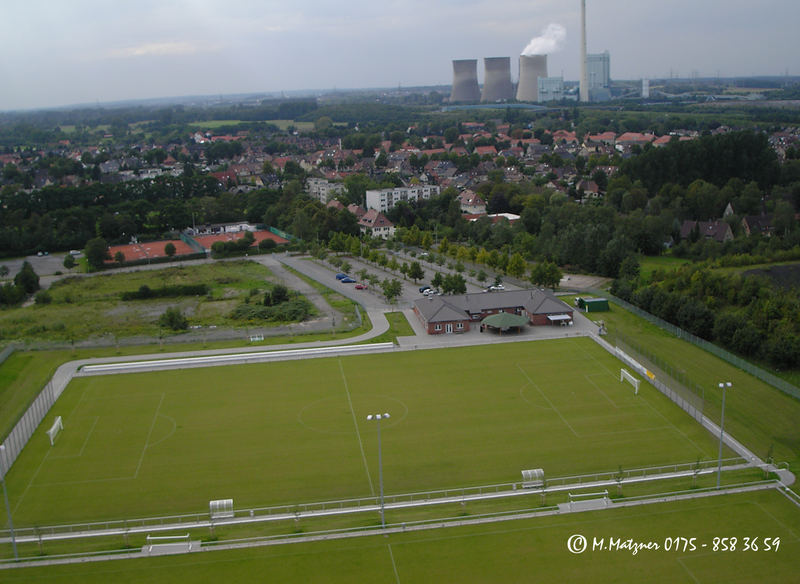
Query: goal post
(625,375)
(54,430)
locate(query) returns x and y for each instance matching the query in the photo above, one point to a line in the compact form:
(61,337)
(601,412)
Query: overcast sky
(61,52)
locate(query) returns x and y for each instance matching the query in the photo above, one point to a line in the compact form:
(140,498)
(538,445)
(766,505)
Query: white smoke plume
(549,41)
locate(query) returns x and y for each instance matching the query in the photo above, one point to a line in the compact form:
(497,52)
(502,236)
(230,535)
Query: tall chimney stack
(584,90)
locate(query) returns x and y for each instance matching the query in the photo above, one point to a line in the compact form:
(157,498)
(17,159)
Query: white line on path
(355,423)
(147,442)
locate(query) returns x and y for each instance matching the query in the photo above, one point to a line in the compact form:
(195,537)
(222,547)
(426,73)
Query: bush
(173,319)
(145,292)
(43,297)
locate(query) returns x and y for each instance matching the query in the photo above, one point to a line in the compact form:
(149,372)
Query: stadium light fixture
(723,386)
(378,418)
(5,496)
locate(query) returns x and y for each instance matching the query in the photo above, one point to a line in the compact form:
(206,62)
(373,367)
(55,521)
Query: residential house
(471,203)
(717,230)
(375,223)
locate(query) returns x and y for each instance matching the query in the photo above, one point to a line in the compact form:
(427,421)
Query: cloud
(167,49)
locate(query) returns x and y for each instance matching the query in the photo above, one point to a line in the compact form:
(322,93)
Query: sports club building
(455,314)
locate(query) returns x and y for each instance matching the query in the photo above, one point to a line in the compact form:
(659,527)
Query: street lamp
(723,387)
(377,418)
(5,496)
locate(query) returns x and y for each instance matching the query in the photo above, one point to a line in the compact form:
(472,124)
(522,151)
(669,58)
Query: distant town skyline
(85,51)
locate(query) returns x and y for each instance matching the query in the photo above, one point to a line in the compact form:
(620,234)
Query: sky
(63,52)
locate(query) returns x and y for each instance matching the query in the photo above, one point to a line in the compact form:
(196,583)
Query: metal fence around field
(727,356)
(27,424)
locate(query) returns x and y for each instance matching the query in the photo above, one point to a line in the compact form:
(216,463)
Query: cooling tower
(497,80)
(531,67)
(465,81)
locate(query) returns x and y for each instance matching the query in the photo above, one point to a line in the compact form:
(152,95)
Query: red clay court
(155,249)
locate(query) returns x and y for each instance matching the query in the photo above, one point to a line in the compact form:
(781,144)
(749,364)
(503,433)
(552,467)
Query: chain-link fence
(727,356)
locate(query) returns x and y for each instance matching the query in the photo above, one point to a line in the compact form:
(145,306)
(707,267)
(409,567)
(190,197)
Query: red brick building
(456,314)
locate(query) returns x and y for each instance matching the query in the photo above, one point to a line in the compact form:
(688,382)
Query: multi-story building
(322,190)
(384,199)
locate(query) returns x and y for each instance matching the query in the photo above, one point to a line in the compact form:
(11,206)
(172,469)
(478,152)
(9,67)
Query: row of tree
(747,314)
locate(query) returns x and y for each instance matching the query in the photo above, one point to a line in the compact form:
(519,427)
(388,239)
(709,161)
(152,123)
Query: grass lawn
(649,264)
(513,551)
(167,442)
(760,416)
(86,306)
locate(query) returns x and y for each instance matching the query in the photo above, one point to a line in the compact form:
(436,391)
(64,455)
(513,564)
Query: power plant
(534,84)
(465,81)
(497,79)
(531,68)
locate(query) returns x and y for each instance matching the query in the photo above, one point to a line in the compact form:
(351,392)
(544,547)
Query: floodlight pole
(723,387)
(377,418)
(8,507)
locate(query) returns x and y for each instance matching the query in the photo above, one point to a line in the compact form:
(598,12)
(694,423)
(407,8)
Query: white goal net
(625,375)
(54,430)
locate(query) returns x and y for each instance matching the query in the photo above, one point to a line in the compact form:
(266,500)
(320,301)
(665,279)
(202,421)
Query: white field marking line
(30,482)
(673,426)
(686,569)
(615,432)
(597,387)
(778,521)
(168,436)
(78,404)
(85,442)
(394,565)
(522,395)
(563,419)
(355,423)
(149,433)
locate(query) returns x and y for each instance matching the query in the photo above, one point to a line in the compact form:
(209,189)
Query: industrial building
(531,69)
(465,81)
(551,89)
(497,84)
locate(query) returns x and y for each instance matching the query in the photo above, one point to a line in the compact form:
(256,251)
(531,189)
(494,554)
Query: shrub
(173,319)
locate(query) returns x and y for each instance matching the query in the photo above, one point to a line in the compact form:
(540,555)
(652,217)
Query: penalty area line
(149,433)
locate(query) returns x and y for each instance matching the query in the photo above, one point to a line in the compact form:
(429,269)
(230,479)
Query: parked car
(347,280)
(361,286)
(340,276)
(497,288)
(424,288)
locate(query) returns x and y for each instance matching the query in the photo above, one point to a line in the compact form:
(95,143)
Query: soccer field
(165,443)
(531,550)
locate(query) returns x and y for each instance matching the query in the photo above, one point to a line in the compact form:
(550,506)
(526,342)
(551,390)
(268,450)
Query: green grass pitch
(513,551)
(165,443)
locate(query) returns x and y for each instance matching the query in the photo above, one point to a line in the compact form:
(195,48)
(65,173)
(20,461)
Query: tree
(346,266)
(4,270)
(119,257)
(438,280)
(69,263)
(169,249)
(26,279)
(96,252)
(454,284)
(415,271)
(391,289)
(516,266)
